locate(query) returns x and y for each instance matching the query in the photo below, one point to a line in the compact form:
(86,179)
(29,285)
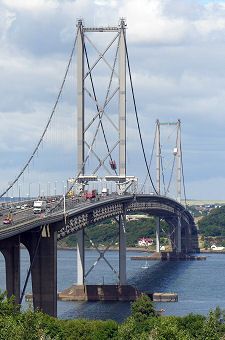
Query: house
(145,242)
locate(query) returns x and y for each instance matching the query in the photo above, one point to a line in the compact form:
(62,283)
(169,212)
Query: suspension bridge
(101,156)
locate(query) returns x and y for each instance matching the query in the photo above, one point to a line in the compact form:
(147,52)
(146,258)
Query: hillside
(105,232)
(214,223)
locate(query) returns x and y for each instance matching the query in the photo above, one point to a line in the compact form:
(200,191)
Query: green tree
(10,328)
(193,324)
(142,308)
(8,305)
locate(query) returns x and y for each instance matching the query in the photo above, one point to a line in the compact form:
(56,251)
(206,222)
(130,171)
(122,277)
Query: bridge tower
(158,186)
(160,180)
(96,114)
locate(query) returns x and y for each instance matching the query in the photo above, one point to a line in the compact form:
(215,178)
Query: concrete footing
(108,293)
(99,293)
(164,297)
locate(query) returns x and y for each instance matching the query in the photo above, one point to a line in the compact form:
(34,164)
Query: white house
(214,247)
(145,242)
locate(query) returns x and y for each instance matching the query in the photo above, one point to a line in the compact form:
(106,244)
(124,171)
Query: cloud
(36,6)
(151,25)
(176,51)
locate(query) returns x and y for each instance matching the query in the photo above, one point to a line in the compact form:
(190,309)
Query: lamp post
(49,189)
(29,190)
(64,202)
(55,188)
(63,183)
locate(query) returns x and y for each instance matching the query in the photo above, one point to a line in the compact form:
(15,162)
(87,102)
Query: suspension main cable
(48,122)
(182,167)
(150,162)
(163,176)
(136,114)
(81,169)
(171,174)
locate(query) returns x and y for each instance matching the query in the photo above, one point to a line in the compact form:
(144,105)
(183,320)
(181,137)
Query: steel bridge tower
(86,146)
(177,159)
(83,125)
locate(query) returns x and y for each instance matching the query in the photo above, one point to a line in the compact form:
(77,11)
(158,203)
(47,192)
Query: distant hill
(144,226)
(191,202)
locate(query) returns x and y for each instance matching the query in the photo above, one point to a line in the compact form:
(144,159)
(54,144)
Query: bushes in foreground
(144,323)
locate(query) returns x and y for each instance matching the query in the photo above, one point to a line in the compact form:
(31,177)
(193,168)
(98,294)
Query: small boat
(145,266)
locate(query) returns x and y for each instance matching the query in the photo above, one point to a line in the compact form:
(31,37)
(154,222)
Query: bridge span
(40,235)
(101,149)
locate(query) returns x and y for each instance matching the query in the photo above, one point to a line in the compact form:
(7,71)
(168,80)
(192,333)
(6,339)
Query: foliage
(89,330)
(195,212)
(214,223)
(8,305)
(106,231)
(10,328)
(143,324)
(142,308)
(192,323)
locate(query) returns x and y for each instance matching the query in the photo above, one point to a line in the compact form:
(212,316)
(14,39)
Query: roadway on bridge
(24,219)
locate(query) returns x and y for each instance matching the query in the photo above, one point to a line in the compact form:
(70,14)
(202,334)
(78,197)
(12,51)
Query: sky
(177,55)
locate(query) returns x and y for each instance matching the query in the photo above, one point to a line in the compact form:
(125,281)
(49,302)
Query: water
(200,284)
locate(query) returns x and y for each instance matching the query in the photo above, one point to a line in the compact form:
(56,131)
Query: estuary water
(200,284)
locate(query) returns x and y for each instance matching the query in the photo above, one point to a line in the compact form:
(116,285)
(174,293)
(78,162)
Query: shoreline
(110,249)
(138,249)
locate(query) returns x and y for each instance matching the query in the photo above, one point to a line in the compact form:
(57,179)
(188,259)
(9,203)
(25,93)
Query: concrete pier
(99,293)
(44,268)
(163,297)
(10,249)
(111,293)
(108,293)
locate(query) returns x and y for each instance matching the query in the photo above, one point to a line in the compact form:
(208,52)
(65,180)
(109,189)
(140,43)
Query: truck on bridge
(90,194)
(39,207)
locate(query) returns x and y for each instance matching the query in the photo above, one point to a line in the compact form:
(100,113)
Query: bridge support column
(43,254)
(80,257)
(191,241)
(157,234)
(10,249)
(178,235)
(122,249)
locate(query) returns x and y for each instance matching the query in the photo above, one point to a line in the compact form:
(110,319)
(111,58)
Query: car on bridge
(7,220)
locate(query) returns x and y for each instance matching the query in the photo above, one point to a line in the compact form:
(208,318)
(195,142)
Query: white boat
(145,266)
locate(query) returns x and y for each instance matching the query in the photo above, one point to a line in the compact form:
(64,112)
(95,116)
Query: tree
(8,305)
(143,308)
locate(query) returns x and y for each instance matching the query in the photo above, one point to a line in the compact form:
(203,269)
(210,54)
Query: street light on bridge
(55,188)
(64,202)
